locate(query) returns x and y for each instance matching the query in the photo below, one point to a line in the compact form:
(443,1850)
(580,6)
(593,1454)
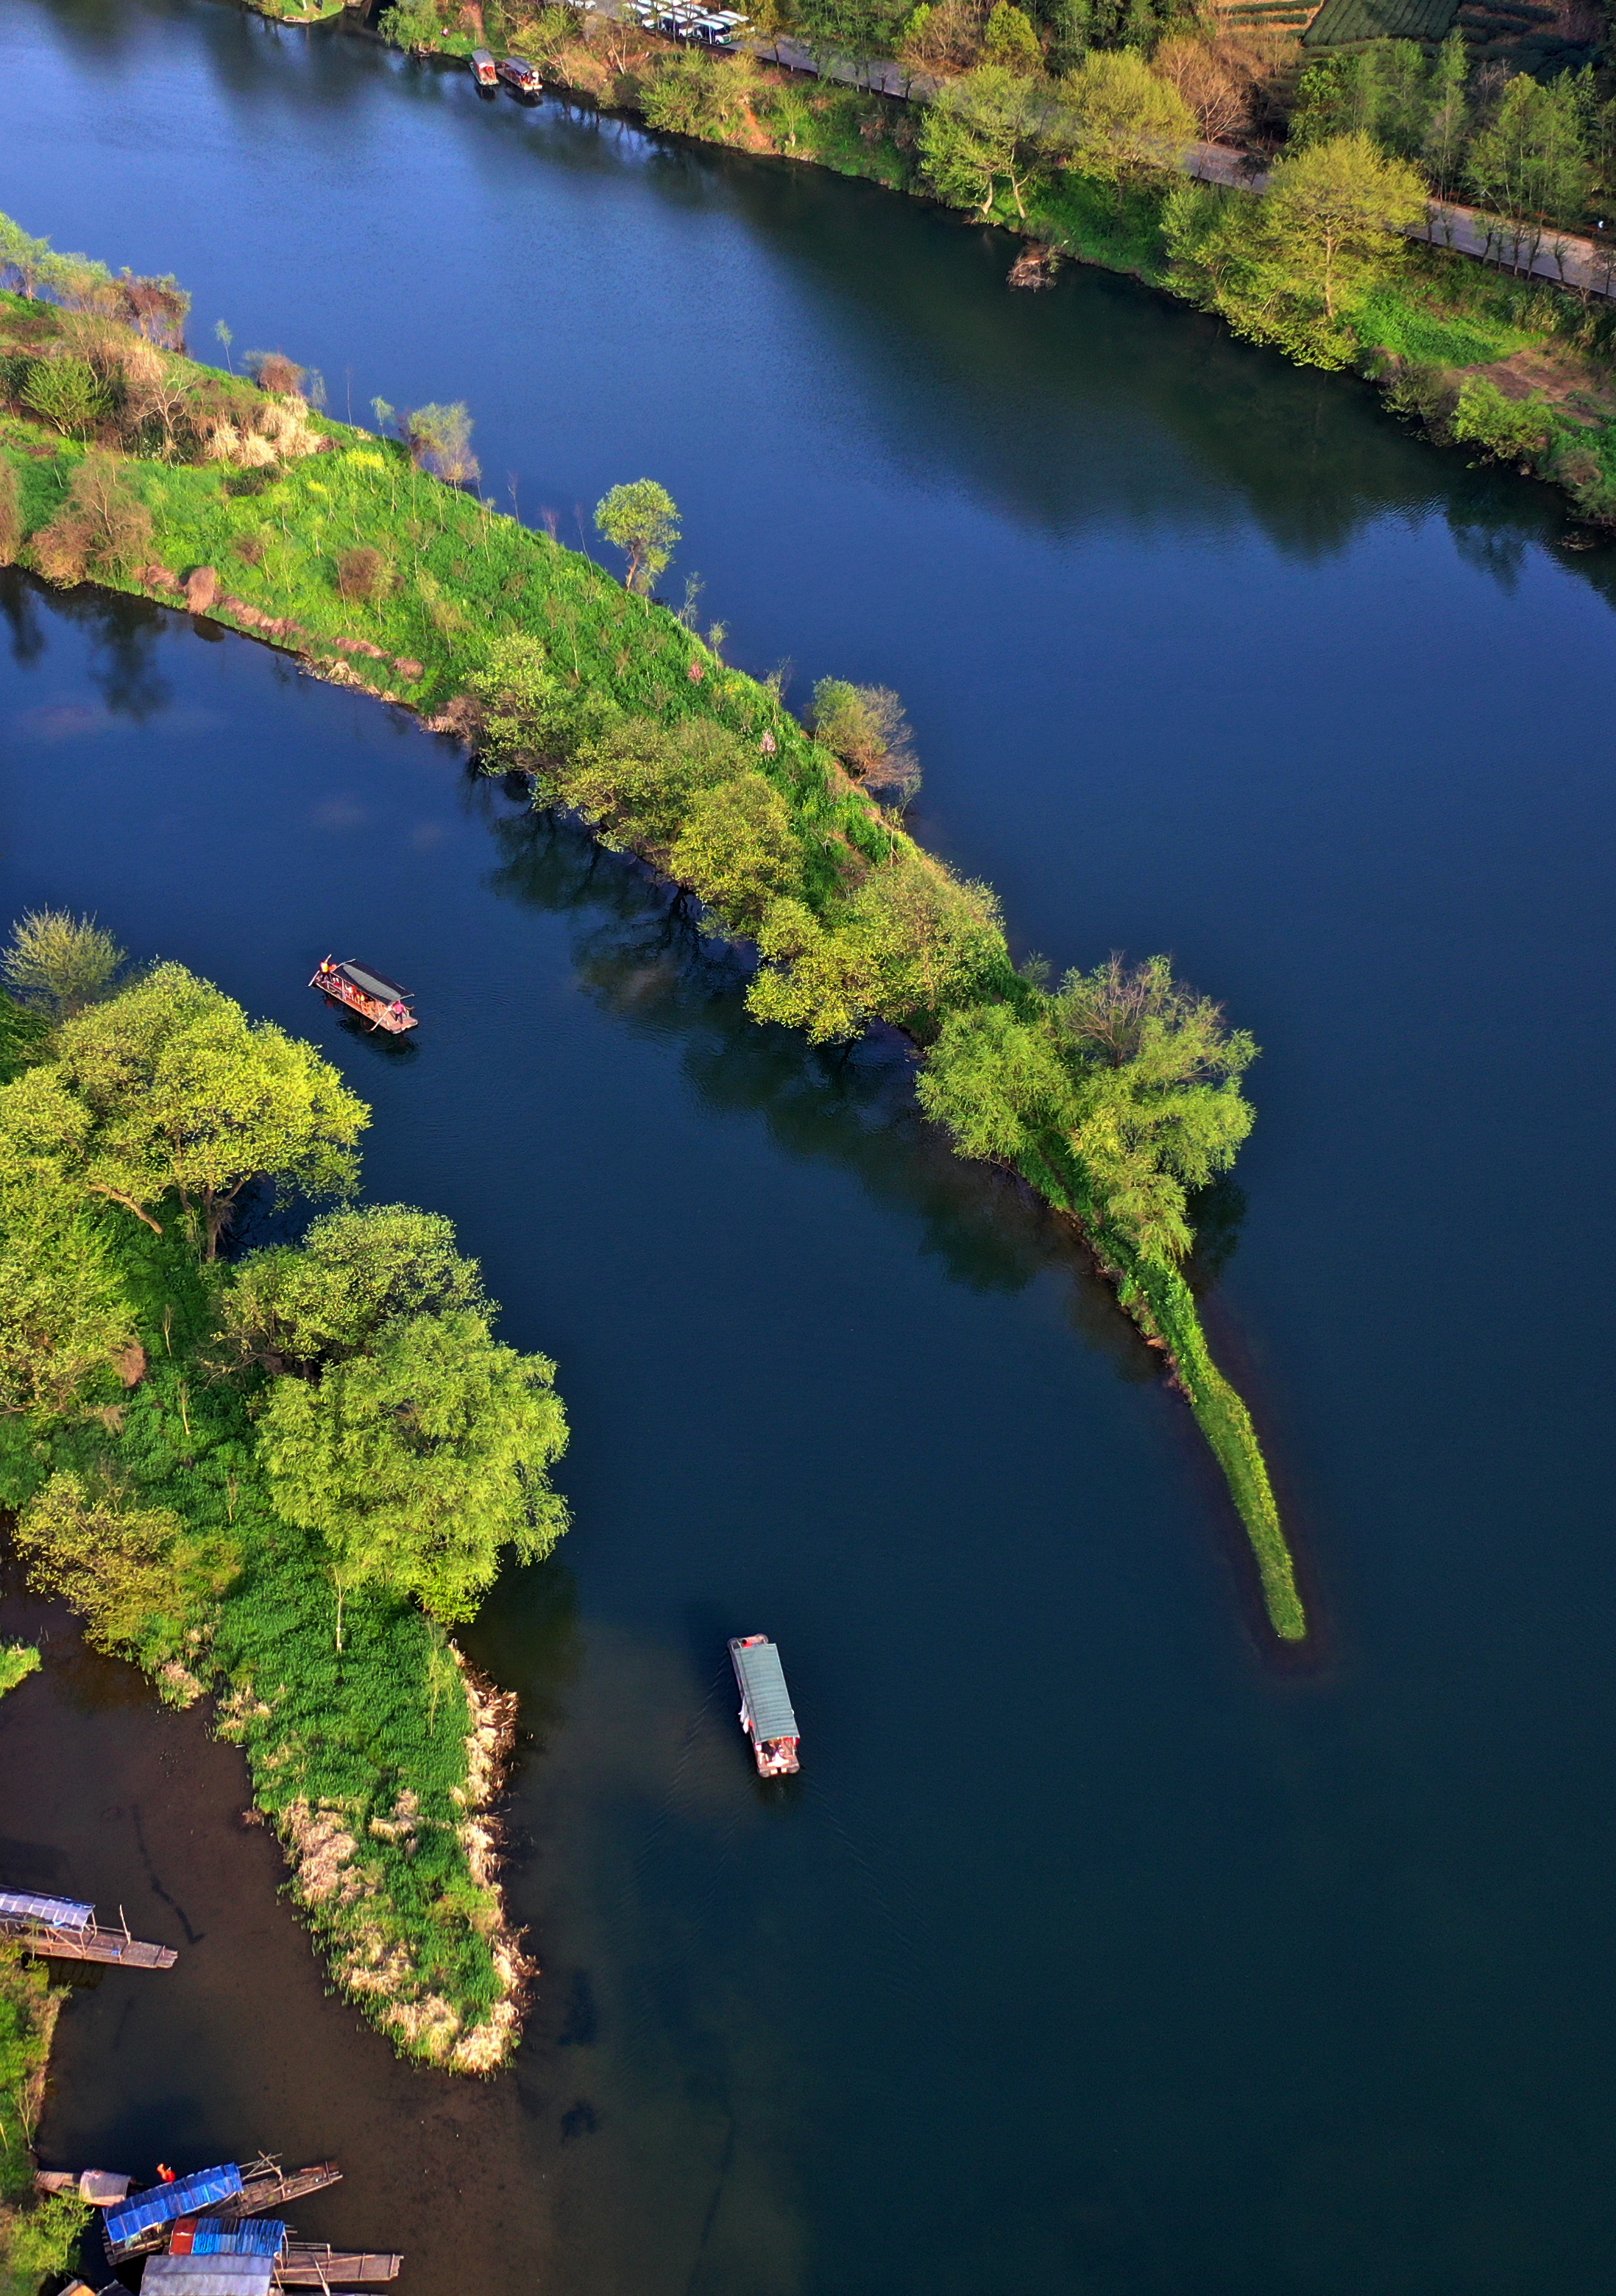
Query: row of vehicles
(671,20)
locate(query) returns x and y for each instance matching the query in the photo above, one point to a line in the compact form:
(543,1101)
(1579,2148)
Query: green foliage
(738,849)
(1530,164)
(169,1086)
(413,24)
(691,92)
(642,520)
(527,715)
(1386,92)
(847,31)
(912,941)
(1011,40)
(39,2233)
(440,439)
(1124,123)
(17,1661)
(866,728)
(987,129)
(59,961)
(119,1566)
(326,1299)
(1510,429)
(12,526)
(417,1461)
(68,394)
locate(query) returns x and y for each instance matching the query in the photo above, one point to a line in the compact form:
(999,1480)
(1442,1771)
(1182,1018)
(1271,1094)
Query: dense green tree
(637,779)
(59,961)
(847,32)
(302,1305)
(169,1087)
(1447,119)
(641,518)
(1011,40)
(418,1463)
(1124,123)
(527,713)
(1385,91)
(1338,209)
(866,728)
(64,1313)
(738,848)
(1124,1079)
(1529,163)
(914,940)
(119,1566)
(439,440)
(987,129)
(17,1661)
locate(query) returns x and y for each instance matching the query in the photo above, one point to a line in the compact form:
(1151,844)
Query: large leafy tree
(303,1305)
(1124,1087)
(987,129)
(169,1087)
(738,848)
(418,1462)
(912,941)
(59,961)
(1530,164)
(1124,123)
(1336,210)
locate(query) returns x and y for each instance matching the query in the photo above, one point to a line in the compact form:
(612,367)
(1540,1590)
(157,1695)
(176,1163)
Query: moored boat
(517,72)
(485,71)
(765,1705)
(366,992)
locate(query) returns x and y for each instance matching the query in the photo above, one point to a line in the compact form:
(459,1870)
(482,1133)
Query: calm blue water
(1097,1953)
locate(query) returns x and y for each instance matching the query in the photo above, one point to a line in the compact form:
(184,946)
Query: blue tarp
(160,2204)
(258,2236)
(61,1912)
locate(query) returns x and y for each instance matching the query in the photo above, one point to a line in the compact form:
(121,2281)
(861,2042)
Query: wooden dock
(89,1943)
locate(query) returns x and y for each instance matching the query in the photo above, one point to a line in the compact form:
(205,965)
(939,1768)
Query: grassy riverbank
(37,2236)
(179,1433)
(331,542)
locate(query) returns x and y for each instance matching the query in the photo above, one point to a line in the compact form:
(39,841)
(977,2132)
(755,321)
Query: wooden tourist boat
(765,1705)
(485,71)
(366,992)
(63,1929)
(517,72)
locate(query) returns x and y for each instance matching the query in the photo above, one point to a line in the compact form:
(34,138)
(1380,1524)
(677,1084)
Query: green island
(1115,1094)
(1071,123)
(283,1478)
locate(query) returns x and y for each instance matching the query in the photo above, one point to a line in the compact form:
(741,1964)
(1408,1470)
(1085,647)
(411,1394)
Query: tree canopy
(169,1087)
(987,129)
(302,1305)
(641,518)
(58,961)
(417,1461)
(1124,122)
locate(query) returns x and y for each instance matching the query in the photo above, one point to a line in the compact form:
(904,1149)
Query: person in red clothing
(164,2175)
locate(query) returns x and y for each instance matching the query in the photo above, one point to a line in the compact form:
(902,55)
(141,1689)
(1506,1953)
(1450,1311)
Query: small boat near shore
(366,992)
(485,71)
(62,1928)
(765,1705)
(519,74)
(146,2221)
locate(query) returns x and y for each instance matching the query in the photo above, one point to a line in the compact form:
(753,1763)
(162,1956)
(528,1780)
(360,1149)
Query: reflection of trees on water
(122,635)
(639,953)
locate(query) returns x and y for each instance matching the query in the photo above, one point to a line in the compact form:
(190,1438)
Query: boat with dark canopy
(370,994)
(64,1929)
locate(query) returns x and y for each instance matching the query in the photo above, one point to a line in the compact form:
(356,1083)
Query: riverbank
(38,2234)
(331,543)
(1505,367)
(152,1456)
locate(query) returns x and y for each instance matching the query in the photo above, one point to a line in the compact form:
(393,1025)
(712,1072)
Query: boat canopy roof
(372,983)
(160,2204)
(763,1684)
(61,1913)
(256,2236)
(209,2275)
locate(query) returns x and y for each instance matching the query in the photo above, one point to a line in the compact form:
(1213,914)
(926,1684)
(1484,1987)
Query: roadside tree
(988,129)
(1124,122)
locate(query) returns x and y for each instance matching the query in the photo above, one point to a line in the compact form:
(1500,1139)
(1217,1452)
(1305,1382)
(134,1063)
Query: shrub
(66,393)
(1510,429)
(103,525)
(694,95)
(59,961)
(1011,40)
(361,573)
(441,441)
(274,373)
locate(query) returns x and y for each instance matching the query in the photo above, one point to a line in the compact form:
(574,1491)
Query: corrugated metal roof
(61,1912)
(763,1686)
(374,983)
(160,2204)
(258,2236)
(207,2275)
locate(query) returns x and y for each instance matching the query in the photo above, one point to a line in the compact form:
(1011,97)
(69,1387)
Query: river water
(1094,1951)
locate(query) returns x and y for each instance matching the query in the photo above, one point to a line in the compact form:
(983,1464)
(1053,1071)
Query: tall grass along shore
(1115,1093)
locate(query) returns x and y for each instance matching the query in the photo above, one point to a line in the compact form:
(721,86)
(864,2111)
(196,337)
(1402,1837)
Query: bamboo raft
(60,1929)
(311,2264)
